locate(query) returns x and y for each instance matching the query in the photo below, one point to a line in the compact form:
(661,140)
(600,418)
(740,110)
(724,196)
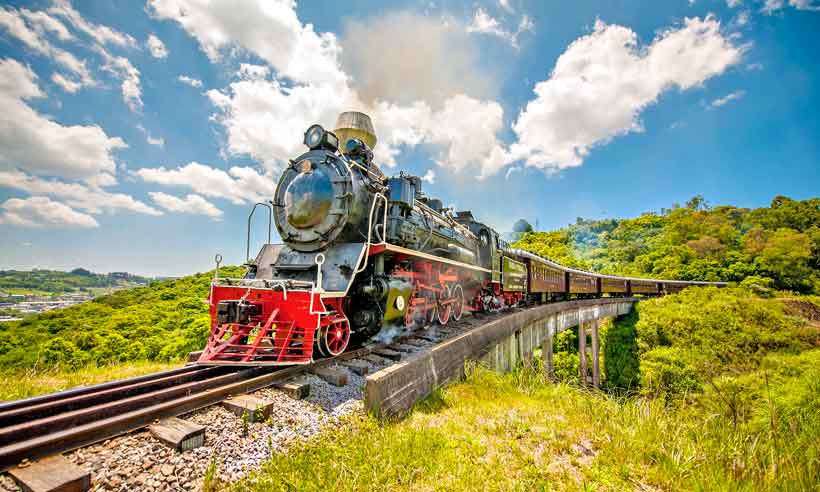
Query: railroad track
(67,420)
(71,419)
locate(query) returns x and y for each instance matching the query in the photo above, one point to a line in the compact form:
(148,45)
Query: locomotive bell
(353,124)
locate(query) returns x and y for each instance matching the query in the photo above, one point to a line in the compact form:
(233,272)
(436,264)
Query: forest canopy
(768,247)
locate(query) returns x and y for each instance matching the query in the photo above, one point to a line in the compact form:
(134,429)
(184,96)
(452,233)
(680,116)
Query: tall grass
(16,384)
(520,432)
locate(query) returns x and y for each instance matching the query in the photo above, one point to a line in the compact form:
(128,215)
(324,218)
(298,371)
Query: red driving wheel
(335,337)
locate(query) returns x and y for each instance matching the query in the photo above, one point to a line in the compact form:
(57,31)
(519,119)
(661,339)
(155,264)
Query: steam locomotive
(363,255)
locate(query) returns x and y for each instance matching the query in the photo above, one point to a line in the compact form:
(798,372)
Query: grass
(519,432)
(18,384)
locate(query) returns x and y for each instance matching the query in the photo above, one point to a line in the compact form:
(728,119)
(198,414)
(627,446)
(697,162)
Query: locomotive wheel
(334,338)
(444,308)
(457,294)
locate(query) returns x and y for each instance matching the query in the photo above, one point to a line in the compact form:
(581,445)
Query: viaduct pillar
(583,368)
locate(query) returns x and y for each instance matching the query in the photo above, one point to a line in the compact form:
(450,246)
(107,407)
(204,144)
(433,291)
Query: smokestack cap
(353,124)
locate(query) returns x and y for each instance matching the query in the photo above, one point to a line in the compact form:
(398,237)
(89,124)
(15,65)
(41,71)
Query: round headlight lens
(313,136)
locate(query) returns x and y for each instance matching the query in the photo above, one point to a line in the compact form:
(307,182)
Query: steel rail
(72,403)
(83,390)
(97,415)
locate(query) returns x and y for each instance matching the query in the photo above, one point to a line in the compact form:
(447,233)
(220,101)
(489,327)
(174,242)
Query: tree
(785,258)
(521,225)
(697,202)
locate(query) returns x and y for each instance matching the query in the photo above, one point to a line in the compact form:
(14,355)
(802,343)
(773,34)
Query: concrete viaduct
(500,344)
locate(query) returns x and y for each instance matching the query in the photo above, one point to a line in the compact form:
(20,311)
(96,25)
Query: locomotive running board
(378,248)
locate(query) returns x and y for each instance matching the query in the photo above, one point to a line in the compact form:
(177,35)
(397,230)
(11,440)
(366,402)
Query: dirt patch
(803,309)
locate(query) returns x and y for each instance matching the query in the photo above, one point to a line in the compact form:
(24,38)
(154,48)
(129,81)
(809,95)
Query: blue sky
(136,136)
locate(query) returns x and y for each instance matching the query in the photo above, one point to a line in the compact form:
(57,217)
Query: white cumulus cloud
(196,83)
(30,28)
(603,81)
(39,145)
(190,204)
(158,141)
(156,47)
(429,176)
(484,23)
(266,120)
(68,85)
(122,68)
(90,199)
(268,28)
(42,212)
(239,185)
(101,34)
(772,6)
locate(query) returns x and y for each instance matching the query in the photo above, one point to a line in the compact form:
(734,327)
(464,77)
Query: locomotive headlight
(317,137)
(313,136)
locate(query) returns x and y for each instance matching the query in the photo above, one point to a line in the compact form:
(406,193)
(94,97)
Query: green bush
(666,373)
(62,353)
(566,367)
(762,286)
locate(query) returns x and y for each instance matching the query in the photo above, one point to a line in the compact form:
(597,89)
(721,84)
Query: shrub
(566,367)
(666,373)
(761,286)
(62,353)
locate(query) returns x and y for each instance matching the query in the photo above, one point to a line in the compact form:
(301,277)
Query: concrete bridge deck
(501,344)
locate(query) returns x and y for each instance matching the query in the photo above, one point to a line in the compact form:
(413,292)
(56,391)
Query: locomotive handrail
(361,265)
(267,284)
(250,218)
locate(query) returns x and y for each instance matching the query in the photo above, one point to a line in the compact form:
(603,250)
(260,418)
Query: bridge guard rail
(500,344)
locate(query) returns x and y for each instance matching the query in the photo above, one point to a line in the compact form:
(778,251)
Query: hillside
(161,321)
(776,246)
(56,282)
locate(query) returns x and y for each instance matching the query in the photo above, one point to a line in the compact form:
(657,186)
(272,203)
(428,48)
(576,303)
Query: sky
(136,136)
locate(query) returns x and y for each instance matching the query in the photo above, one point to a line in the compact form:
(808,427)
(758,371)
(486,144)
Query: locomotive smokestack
(353,124)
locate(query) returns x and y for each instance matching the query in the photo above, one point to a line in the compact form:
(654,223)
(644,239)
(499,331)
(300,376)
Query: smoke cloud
(404,57)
